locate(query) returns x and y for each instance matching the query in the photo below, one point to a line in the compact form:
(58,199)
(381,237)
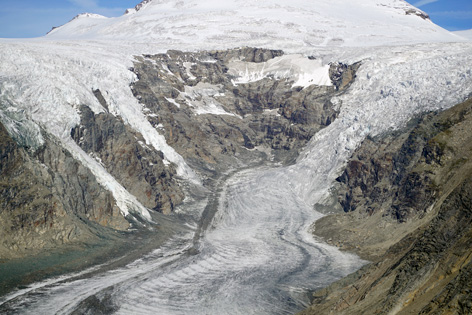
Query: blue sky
(452,15)
(33,18)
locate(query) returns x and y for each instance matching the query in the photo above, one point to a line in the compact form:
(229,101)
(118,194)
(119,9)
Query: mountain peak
(88,15)
(142,4)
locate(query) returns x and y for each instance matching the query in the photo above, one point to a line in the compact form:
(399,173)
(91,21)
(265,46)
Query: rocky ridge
(127,158)
(408,208)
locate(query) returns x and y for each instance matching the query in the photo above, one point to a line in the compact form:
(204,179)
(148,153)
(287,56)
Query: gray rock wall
(46,197)
(414,189)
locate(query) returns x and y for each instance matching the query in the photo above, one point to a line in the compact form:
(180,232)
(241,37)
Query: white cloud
(424,2)
(85,3)
(457,15)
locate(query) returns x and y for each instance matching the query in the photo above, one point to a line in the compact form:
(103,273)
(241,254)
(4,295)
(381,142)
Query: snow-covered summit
(230,23)
(89,15)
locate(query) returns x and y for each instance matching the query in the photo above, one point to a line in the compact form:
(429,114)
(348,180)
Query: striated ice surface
(256,258)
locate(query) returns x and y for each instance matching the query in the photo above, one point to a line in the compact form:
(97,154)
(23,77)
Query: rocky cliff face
(215,123)
(46,199)
(408,202)
(128,159)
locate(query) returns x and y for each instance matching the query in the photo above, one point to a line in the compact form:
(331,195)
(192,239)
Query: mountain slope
(231,23)
(426,221)
(466,34)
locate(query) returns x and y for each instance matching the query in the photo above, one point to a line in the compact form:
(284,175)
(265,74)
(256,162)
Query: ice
(258,255)
(465,34)
(295,67)
(213,24)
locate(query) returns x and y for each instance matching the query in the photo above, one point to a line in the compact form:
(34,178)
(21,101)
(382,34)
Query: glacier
(213,24)
(257,256)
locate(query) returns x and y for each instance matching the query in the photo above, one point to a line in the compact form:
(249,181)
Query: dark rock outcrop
(416,185)
(246,54)
(46,196)
(268,113)
(342,75)
(128,159)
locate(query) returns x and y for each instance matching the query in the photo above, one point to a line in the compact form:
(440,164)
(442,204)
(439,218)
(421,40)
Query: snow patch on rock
(296,67)
(46,82)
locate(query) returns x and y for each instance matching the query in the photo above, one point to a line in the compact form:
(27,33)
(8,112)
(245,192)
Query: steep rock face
(403,173)
(28,207)
(384,173)
(78,189)
(441,252)
(128,159)
(214,122)
(45,197)
(427,270)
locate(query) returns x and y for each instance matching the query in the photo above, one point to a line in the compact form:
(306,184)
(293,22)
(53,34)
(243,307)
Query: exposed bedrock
(215,123)
(408,204)
(46,199)
(128,159)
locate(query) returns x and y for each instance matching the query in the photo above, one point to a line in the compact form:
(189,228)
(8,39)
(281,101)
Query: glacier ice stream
(257,257)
